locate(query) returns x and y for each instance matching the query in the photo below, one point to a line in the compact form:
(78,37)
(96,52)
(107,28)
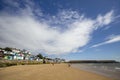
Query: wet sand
(47,72)
(111,70)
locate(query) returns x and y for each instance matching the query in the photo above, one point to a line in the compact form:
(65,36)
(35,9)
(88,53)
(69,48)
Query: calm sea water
(111,70)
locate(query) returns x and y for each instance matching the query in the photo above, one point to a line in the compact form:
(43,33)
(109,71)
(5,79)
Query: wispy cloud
(105,20)
(62,33)
(111,39)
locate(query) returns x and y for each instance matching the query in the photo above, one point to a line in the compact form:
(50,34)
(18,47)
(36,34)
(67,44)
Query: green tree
(8,49)
(1,48)
(40,56)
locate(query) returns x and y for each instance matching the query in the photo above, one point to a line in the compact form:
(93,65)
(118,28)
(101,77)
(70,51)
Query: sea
(111,70)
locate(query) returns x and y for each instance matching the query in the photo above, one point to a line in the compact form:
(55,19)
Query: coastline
(47,72)
(106,69)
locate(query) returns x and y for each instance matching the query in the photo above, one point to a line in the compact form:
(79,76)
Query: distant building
(15,54)
(15,50)
(58,60)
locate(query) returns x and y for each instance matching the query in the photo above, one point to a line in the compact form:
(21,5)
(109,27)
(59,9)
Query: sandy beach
(47,72)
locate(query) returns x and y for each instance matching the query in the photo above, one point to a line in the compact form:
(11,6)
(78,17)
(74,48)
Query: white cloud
(111,39)
(106,19)
(25,31)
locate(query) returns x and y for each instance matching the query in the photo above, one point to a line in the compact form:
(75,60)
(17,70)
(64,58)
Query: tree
(40,56)
(8,49)
(1,48)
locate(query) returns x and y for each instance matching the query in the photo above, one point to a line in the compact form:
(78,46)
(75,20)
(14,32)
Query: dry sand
(47,72)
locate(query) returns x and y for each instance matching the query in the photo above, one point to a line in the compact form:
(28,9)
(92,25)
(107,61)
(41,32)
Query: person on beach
(69,65)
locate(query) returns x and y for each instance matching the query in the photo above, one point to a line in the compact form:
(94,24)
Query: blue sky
(70,29)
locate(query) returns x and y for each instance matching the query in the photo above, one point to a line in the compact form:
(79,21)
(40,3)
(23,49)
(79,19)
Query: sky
(69,29)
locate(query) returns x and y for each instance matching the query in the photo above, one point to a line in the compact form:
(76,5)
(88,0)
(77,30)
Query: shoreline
(47,72)
(108,70)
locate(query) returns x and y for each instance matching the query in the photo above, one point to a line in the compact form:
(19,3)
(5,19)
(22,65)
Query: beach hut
(8,56)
